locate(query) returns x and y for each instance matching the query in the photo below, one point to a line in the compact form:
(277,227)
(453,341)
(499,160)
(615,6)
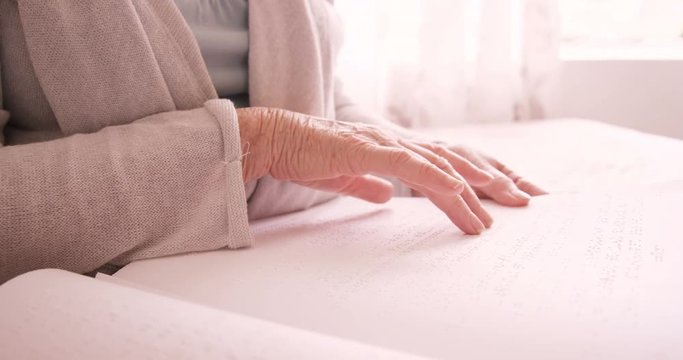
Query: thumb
(369,188)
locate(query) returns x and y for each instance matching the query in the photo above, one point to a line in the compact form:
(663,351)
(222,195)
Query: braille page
(571,276)
(53,314)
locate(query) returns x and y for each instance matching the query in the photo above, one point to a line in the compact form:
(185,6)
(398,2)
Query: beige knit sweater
(115,146)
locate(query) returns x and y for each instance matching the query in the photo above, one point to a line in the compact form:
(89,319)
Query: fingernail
(521,194)
(488,219)
(476,224)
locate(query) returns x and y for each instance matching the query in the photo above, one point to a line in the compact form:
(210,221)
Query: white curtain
(445,62)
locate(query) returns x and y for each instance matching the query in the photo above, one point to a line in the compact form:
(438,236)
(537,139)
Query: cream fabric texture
(116,146)
(141,161)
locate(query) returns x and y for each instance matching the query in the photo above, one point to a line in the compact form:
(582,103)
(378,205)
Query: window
(621,28)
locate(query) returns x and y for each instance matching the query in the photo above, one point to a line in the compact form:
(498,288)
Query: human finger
(521,183)
(456,209)
(529,187)
(474,175)
(441,162)
(505,192)
(501,189)
(408,166)
(473,203)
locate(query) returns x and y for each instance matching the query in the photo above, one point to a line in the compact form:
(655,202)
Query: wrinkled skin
(346,158)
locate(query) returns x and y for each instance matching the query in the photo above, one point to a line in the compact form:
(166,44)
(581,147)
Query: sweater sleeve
(165,184)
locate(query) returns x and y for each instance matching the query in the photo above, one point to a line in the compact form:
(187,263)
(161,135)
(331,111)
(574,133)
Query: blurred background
(448,62)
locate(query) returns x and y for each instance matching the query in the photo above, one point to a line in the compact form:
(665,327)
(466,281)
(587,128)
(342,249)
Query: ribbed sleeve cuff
(236,201)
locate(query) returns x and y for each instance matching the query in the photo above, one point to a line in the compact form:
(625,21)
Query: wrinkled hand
(506,187)
(345,157)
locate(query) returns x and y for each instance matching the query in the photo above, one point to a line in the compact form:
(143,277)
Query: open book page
(53,314)
(570,276)
(571,155)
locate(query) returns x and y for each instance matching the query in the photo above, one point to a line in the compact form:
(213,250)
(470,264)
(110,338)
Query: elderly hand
(506,188)
(344,157)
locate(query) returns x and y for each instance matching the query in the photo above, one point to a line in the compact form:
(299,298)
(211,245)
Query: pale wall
(642,94)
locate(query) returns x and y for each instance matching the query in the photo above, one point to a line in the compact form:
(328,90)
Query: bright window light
(622,28)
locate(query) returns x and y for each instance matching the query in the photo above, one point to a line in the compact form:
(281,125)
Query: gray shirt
(222,32)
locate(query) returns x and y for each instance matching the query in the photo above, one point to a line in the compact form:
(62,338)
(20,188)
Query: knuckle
(440,149)
(432,147)
(426,169)
(380,135)
(400,156)
(519,181)
(443,164)
(500,182)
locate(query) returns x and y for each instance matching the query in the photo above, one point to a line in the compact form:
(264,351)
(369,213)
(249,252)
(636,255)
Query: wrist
(256,142)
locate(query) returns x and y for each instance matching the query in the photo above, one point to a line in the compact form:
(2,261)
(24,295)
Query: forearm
(165,184)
